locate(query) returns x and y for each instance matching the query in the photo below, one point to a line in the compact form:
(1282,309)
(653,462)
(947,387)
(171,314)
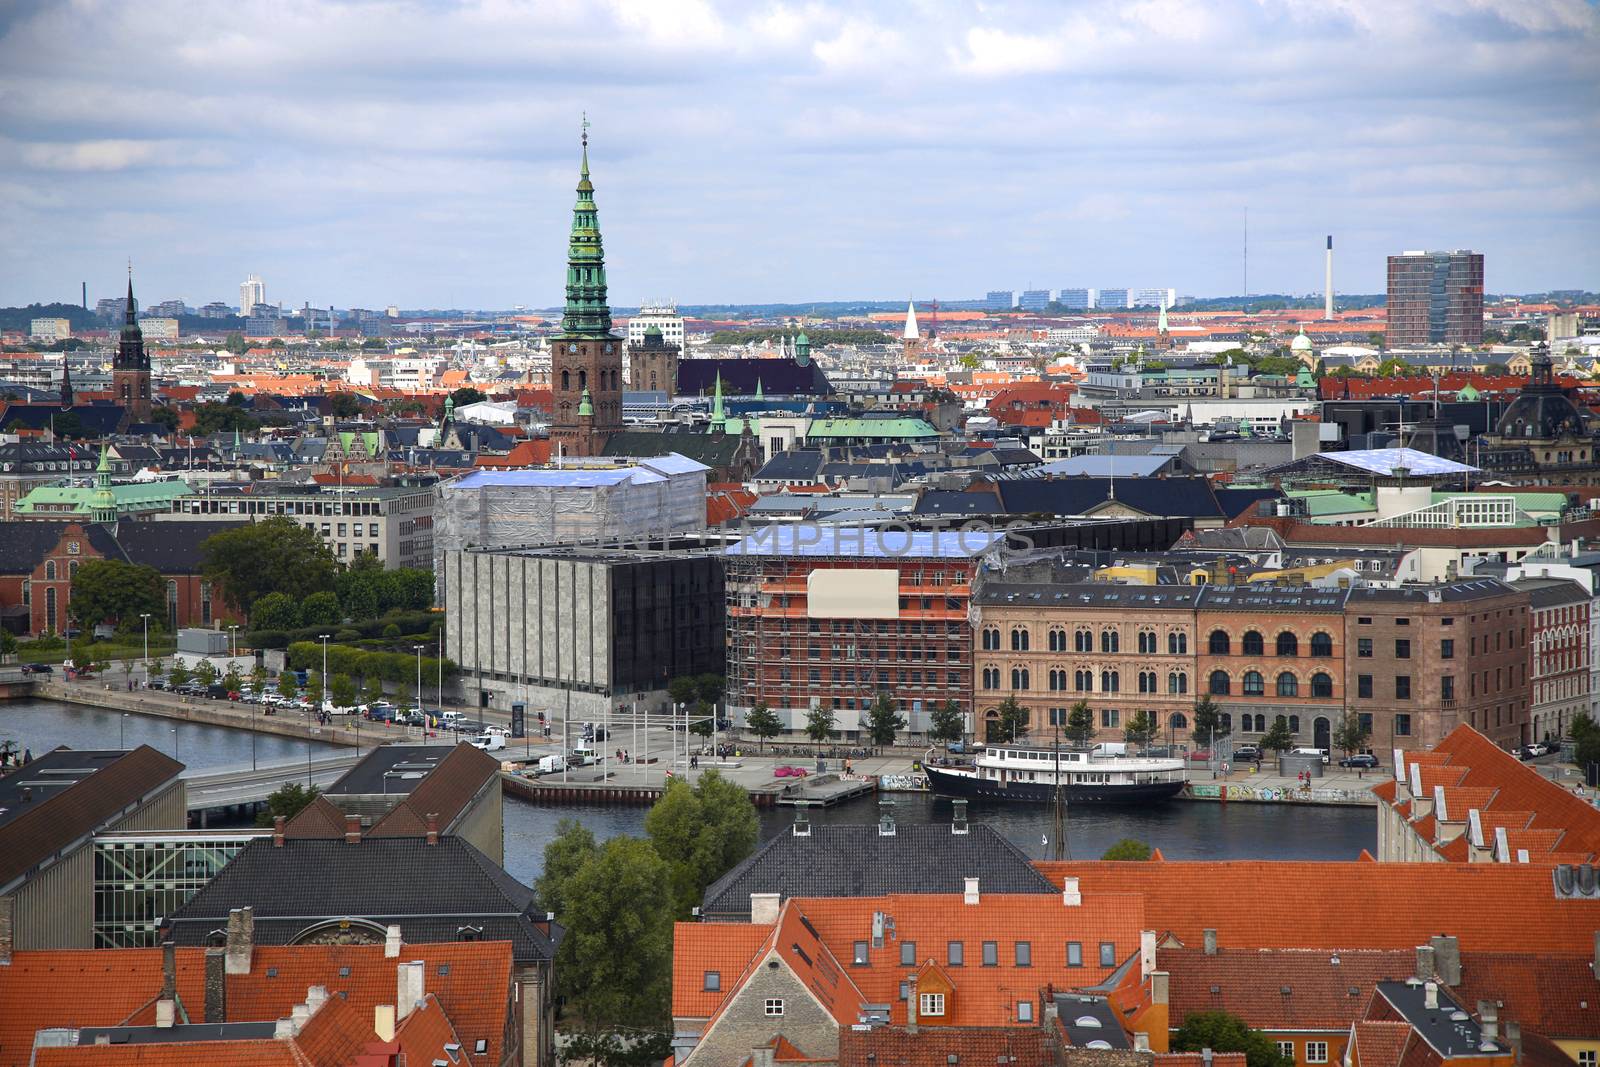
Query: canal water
(1181,829)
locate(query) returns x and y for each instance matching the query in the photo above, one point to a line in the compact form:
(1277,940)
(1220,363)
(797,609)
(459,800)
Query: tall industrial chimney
(86,296)
(1327,282)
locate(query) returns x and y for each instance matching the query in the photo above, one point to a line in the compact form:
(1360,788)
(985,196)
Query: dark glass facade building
(1435,298)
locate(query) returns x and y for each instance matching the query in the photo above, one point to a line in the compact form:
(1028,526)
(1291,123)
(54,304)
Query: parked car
(1365,760)
(1246,754)
(1322,752)
(37,668)
(1535,750)
(452,720)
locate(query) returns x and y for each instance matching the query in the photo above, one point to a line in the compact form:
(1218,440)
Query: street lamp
(324,697)
(174,742)
(122,733)
(233,636)
(146,619)
(418,649)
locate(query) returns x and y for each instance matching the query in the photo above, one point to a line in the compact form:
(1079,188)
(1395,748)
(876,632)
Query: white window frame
(930,1004)
(774,1007)
(1286,1048)
(1316,1052)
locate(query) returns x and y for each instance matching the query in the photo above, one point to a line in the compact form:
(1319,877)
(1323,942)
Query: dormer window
(930,1004)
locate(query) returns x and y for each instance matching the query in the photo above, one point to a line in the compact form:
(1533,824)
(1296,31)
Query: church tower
(586,361)
(130,372)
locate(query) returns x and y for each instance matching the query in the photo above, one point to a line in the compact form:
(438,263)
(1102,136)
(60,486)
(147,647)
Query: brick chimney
(241,940)
(391,942)
(216,1008)
(352,829)
(409,988)
(1210,941)
(1427,965)
(433,827)
(278,822)
(911,1004)
(167,999)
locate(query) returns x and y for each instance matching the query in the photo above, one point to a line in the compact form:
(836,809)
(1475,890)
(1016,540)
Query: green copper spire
(104,504)
(585,405)
(587,314)
(718,419)
(759,394)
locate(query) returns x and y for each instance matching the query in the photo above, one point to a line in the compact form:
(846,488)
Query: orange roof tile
(1380,1043)
(265,1052)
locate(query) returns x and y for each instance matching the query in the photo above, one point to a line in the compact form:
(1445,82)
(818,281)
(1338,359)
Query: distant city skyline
(377,153)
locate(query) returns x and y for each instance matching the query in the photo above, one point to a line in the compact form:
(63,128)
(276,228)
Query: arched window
(1261,724)
(1177,644)
(1254,685)
(566,380)
(1252,644)
(1178,721)
(1110,641)
(1321,685)
(1218,645)
(991,677)
(1058,640)
(1294,724)
(72,569)
(1083,641)
(1019,640)
(49,570)
(991,639)
(1177,682)
(1288,685)
(583,379)
(1219,683)
(1019,677)
(172,604)
(1288,644)
(1225,721)
(1110,682)
(1083,681)
(1321,645)
(1147,642)
(1058,680)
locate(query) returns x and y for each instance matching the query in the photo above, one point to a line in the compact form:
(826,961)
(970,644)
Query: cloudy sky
(369,152)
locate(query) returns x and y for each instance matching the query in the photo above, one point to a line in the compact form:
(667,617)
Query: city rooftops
(1091,594)
(1449,592)
(1447,1028)
(586,474)
(866,542)
(390,769)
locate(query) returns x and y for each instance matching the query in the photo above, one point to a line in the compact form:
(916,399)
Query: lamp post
(122,732)
(145,618)
(418,649)
(174,742)
(233,637)
(324,698)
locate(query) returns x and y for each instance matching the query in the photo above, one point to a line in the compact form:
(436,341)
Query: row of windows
(1220,643)
(1254,684)
(1084,641)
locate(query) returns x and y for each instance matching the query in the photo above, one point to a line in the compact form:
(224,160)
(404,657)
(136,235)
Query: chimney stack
(970,894)
(278,822)
(1447,955)
(911,1003)
(352,830)
(1430,996)
(409,988)
(764,908)
(167,999)
(1427,967)
(391,942)
(216,1008)
(433,828)
(1070,897)
(1327,282)
(1211,941)
(383,1021)
(1514,1039)
(241,940)
(1206,1056)
(1489,1020)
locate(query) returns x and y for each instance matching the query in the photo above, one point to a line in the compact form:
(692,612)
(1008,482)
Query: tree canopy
(820,723)
(615,963)
(947,723)
(275,555)
(467,395)
(287,800)
(883,721)
(111,590)
(1129,848)
(1222,1032)
(702,832)
(763,722)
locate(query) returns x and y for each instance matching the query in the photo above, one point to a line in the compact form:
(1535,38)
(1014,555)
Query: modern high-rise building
(664,317)
(251,293)
(1034,299)
(1074,299)
(999,300)
(1152,298)
(1111,299)
(1435,298)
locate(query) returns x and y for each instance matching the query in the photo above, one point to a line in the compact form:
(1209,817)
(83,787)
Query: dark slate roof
(97,420)
(1188,497)
(778,377)
(795,465)
(170,547)
(1549,592)
(25,543)
(1235,502)
(712,449)
(956,502)
(1452,592)
(93,790)
(855,861)
(430,891)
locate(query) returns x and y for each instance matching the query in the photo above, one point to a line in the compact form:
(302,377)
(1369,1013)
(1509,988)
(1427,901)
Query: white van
(489,742)
(452,720)
(1322,753)
(551,764)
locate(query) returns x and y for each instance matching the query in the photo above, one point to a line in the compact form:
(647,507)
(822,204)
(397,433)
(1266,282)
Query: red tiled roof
(424,1033)
(936,1046)
(263,1052)
(1400,904)
(725,948)
(1379,1044)
(1249,984)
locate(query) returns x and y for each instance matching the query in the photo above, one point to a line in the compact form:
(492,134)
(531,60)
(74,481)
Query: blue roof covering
(1104,466)
(579,478)
(1388,460)
(811,540)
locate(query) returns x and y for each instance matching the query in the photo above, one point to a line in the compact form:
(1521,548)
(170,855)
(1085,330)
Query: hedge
(342,659)
(411,622)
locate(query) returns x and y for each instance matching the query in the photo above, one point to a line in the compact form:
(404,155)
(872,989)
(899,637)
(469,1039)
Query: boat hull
(950,783)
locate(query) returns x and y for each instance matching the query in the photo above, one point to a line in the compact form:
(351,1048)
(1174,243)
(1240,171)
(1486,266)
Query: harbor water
(1180,829)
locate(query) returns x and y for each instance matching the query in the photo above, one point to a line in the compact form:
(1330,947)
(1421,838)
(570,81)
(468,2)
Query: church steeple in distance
(130,370)
(130,346)
(587,313)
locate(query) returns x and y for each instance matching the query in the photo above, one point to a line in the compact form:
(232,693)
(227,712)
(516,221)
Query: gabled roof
(446,793)
(701,948)
(854,860)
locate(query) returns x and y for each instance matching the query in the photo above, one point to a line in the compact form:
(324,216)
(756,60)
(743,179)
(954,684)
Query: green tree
(467,395)
(1222,1032)
(1278,738)
(235,341)
(702,832)
(314,691)
(374,688)
(320,609)
(1080,724)
(205,672)
(1141,729)
(1128,848)
(166,418)
(109,590)
(701,718)
(615,963)
(344,405)
(233,680)
(1013,721)
(275,611)
(287,800)
(179,675)
(1586,740)
(710,688)
(820,723)
(402,693)
(1208,723)
(947,723)
(1350,736)
(342,690)
(764,723)
(883,721)
(275,555)
(212,419)
(682,690)
(564,856)
(287,684)
(258,680)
